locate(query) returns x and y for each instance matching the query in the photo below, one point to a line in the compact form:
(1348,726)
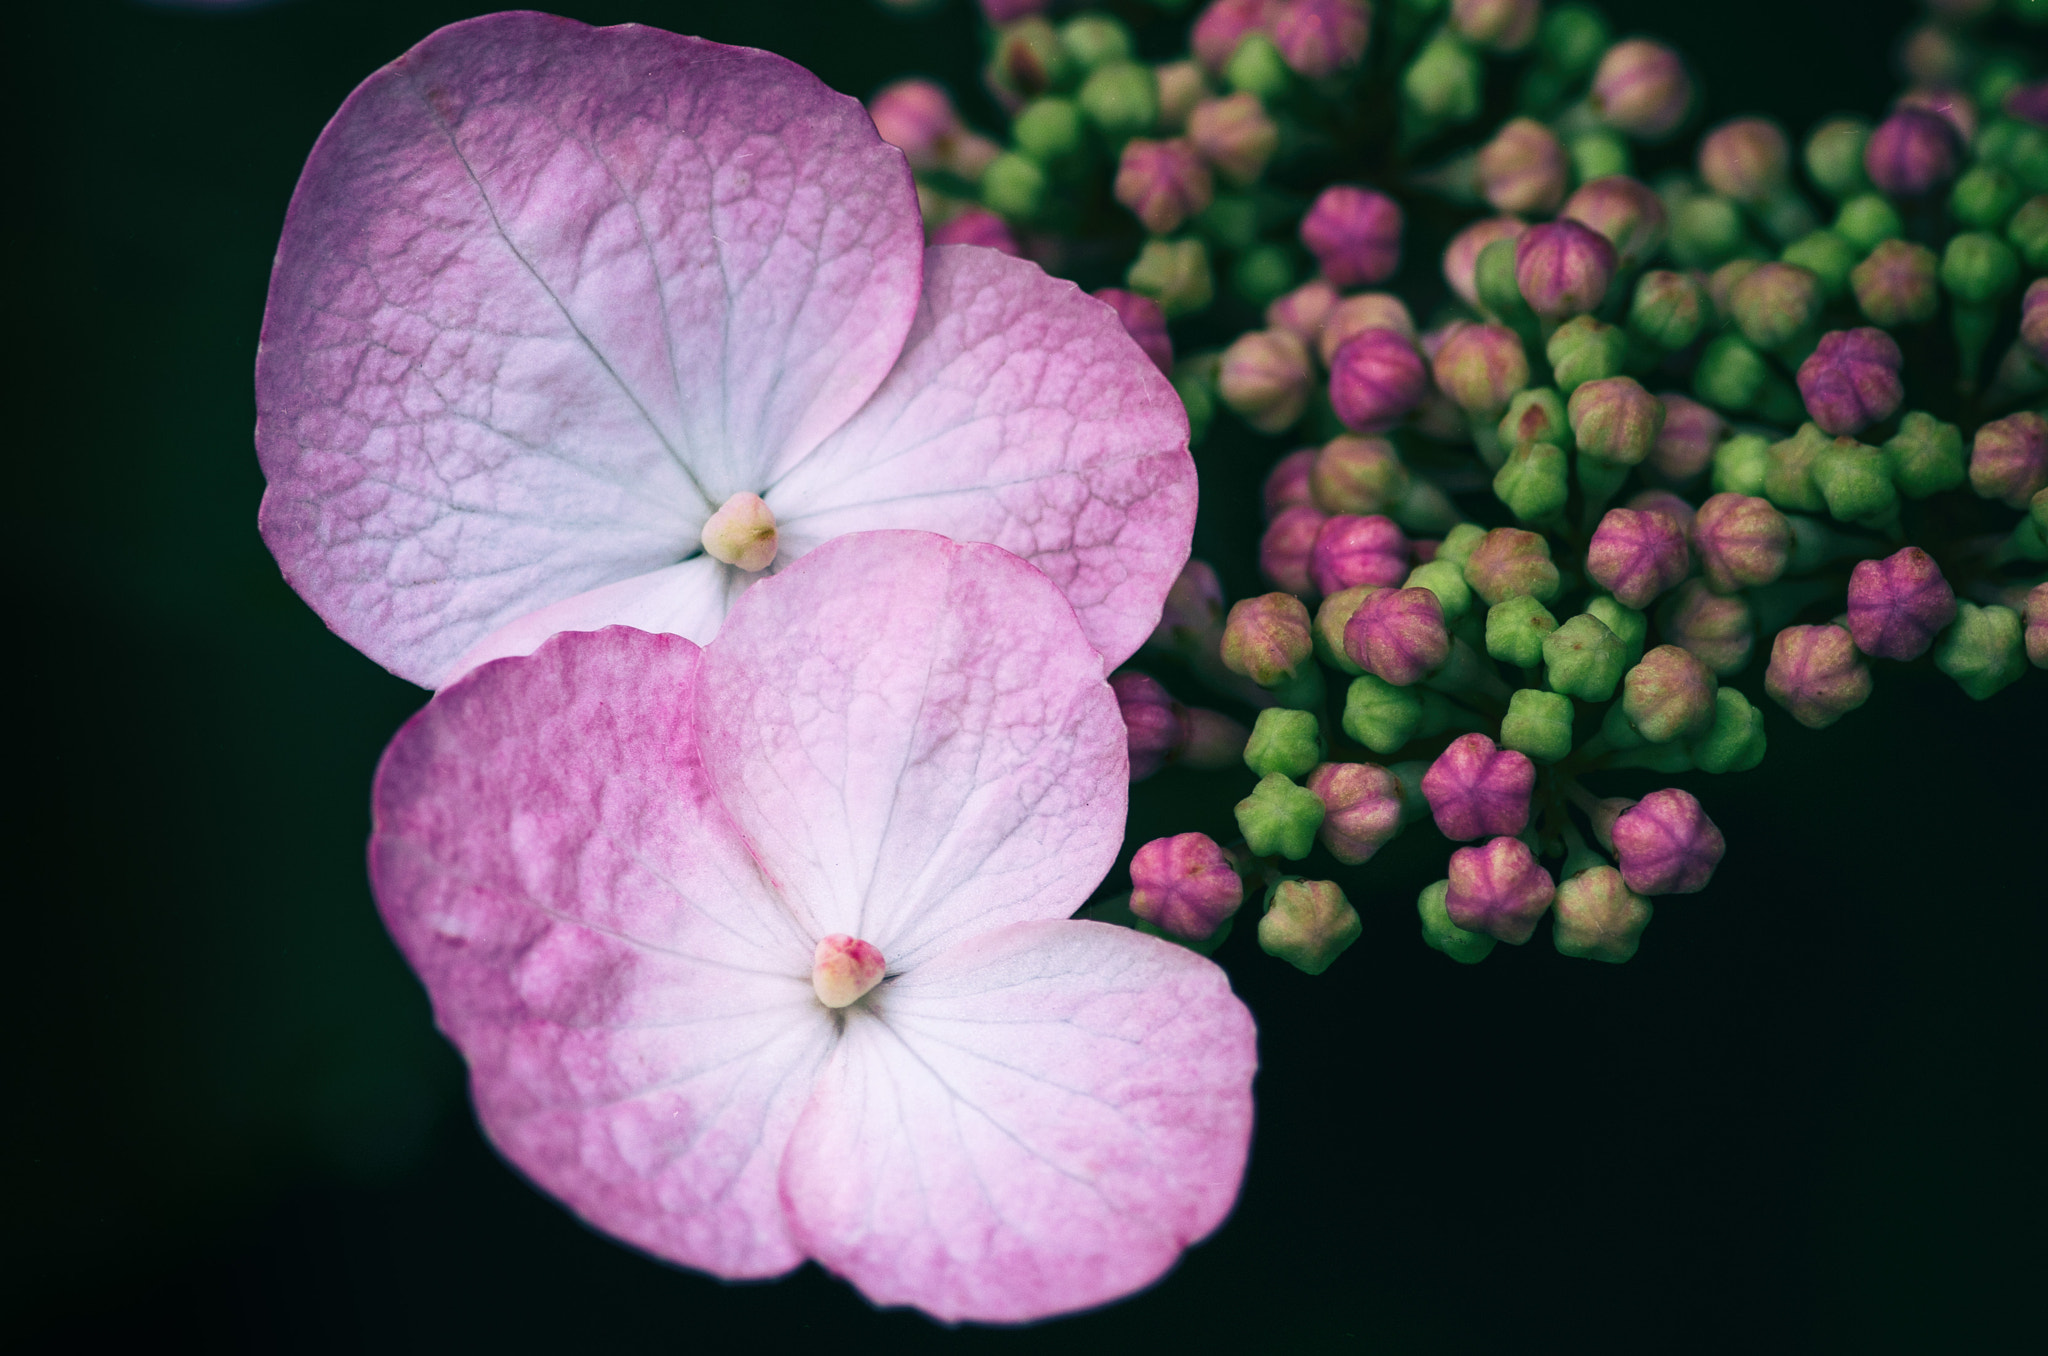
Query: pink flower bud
(1361,808)
(916,117)
(1563,268)
(1604,814)
(1399,635)
(1355,235)
(1266,378)
(1852,380)
(1715,628)
(1354,315)
(1480,367)
(1181,87)
(1509,563)
(1685,445)
(1287,484)
(1667,845)
(1376,378)
(1152,722)
(1193,607)
(1503,25)
(1747,159)
(1912,152)
(2009,459)
(2034,320)
(1144,322)
(978,226)
(1267,639)
(1523,169)
(1950,105)
(1214,741)
(1641,88)
(2029,103)
(1598,916)
(1284,549)
(1816,674)
(1357,475)
(1318,38)
(1185,886)
(1303,311)
(1896,284)
(1476,789)
(1666,503)
(1351,550)
(1234,135)
(2037,626)
(1627,211)
(1461,256)
(1636,556)
(1742,541)
(1498,889)
(1896,605)
(1224,25)
(1615,419)
(1162,182)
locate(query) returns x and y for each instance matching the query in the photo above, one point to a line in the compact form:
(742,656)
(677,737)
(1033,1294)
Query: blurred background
(1796,1121)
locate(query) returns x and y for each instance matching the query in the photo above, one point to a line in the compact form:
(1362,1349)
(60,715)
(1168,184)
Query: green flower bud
(1630,627)
(1444,82)
(1308,923)
(1121,98)
(1583,659)
(1441,934)
(1379,715)
(1049,130)
(1788,481)
(1616,420)
(1834,156)
(1279,817)
(1533,482)
(1736,741)
(1572,39)
(1174,273)
(1494,277)
(1303,692)
(1599,154)
(1013,185)
(1460,542)
(1286,742)
(1668,310)
(1856,482)
(1984,651)
(1867,220)
(1584,349)
(1536,415)
(1775,304)
(1731,374)
(1331,618)
(1231,220)
(1978,267)
(1828,255)
(1740,465)
(1706,231)
(1598,477)
(1511,562)
(1984,197)
(1262,274)
(1257,67)
(1538,724)
(1598,916)
(1447,582)
(2028,232)
(1095,39)
(1516,630)
(1895,284)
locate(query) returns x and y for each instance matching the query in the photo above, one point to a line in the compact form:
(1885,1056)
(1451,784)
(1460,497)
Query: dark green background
(1795,1121)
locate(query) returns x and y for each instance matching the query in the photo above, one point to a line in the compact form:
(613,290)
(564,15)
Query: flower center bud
(844,969)
(742,533)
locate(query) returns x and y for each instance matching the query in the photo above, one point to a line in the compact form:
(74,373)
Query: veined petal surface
(1036,1120)
(546,295)
(917,740)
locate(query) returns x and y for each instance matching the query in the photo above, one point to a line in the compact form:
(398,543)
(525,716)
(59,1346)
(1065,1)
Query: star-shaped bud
(1267,639)
(1511,563)
(1984,651)
(1308,924)
(1816,674)
(1669,696)
(1376,378)
(1284,741)
(2009,459)
(1279,818)
(1398,634)
(1497,888)
(1667,845)
(1362,808)
(1898,604)
(1852,380)
(1476,789)
(1355,235)
(1379,715)
(1584,658)
(1597,917)
(1351,549)
(1636,556)
(1186,886)
(1743,541)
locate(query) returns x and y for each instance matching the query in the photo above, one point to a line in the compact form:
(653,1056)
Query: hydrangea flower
(550,297)
(762,951)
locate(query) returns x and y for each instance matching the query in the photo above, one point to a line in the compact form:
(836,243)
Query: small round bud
(1584,658)
(1978,268)
(1747,159)
(1461,256)
(1721,284)
(1895,284)
(1303,311)
(1224,25)
(1911,153)
(1534,481)
(2028,231)
(1092,39)
(1538,724)
(1498,889)
(1596,153)
(1447,582)
(1816,674)
(1399,635)
(1636,556)
(1308,924)
(1266,378)
(1376,378)
(1736,742)
(1668,309)
(1509,562)
(1852,380)
(1333,614)
(1284,741)
(1523,169)
(2037,626)
(1476,789)
(1355,315)
(1186,886)
(1318,38)
(1193,607)
(1985,651)
(1267,639)
(1667,845)
(917,117)
(1288,484)
(1355,235)
(1121,98)
(1626,211)
(1834,156)
(1516,630)
(1536,416)
(1867,221)
(1740,464)
(1050,130)
(1715,628)
(1361,808)
(1584,349)
(1181,87)
(1898,604)
(1144,322)
(1616,420)
(1351,549)
(1925,456)
(1669,695)
(1379,715)
(1788,481)
(2034,320)
(844,970)
(1828,255)
(742,533)
(1357,475)
(1685,445)
(1163,183)
(1641,88)
(1279,817)
(1480,367)
(1598,916)
(1503,25)
(1235,135)
(1014,185)
(1441,934)
(1500,296)
(2009,459)
(1775,303)
(1984,197)
(1563,268)
(978,226)
(1284,549)
(1154,723)
(1445,81)
(1028,60)
(1855,481)
(1174,273)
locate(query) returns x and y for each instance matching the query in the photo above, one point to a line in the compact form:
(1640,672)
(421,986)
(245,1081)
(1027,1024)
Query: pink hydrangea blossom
(761,952)
(549,296)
